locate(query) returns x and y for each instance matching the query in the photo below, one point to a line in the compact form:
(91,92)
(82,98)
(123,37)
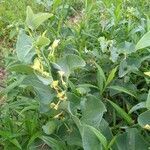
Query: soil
(2,77)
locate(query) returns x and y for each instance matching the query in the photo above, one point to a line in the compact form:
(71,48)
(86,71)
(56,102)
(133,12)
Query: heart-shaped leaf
(92,110)
(24,48)
(33,21)
(144,41)
(144,120)
(70,62)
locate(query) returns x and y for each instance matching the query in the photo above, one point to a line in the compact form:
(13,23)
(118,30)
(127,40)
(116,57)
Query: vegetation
(78,75)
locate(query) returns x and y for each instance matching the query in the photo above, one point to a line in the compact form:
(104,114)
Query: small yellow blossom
(54,84)
(39,67)
(37,64)
(55,106)
(61,73)
(147,73)
(147,126)
(58,115)
(52,105)
(55,44)
(45,73)
(62,95)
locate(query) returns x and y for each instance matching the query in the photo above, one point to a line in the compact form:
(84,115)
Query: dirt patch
(75,19)
(2,77)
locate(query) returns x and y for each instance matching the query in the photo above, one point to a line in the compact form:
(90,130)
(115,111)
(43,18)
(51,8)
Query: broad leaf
(148,101)
(144,120)
(20,68)
(49,127)
(126,48)
(90,140)
(128,65)
(131,140)
(42,41)
(144,41)
(70,62)
(33,21)
(44,93)
(24,48)
(99,135)
(92,110)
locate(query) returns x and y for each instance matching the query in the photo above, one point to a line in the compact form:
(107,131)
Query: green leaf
(131,140)
(7,135)
(27,108)
(144,41)
(73,138)
(90,140)
(123,68)
(32,139)
(70,62)
(144,120)
(148,101)
(88,86)
(16,143)
(20,68)
(45,80)
(50,127)
(43,92)
(101,79)
(105,129)
(130,64)
(114,54)
(12,86)
(99,135)
(92,110)
(33,21)
(126,48)
(111,76)
(24,48)
(53,143)
(103,44)
(42,41)
(122,89)
(111,143)
(137,106)
(121,112)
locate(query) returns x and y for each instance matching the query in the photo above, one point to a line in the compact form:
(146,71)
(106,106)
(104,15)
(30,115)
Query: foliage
(79,78)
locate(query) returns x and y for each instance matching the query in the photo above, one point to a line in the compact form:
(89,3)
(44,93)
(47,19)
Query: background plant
(79,78)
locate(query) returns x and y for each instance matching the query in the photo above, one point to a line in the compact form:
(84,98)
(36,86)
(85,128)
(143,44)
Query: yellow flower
(55,44)
(45,73)
(39,67)
(62,95)
(52,105)
(55,106)
(37,64)
(54,84)
(147,73)
(147,126)
(58,115)
(61,73)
